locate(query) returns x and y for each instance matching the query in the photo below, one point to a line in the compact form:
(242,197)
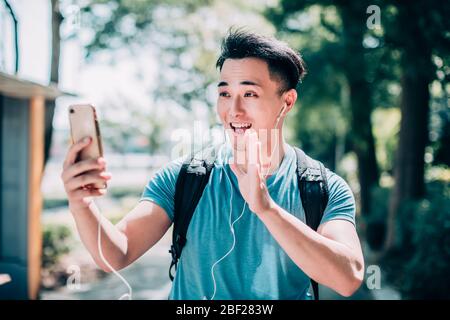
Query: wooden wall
(21,163)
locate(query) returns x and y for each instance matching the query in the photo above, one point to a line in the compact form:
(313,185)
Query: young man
(248,238)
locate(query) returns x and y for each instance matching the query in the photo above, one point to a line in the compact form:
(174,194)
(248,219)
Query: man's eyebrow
(249,83)
(245,82)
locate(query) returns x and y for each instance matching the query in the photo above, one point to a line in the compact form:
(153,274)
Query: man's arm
(125,242)
(332,256)
(144,226)
(122,244)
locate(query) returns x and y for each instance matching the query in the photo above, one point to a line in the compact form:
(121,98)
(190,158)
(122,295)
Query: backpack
(194,175)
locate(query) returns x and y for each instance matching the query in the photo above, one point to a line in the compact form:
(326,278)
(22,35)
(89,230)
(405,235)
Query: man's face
(248,98)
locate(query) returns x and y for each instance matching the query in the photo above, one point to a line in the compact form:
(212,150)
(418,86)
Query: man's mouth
(239,128)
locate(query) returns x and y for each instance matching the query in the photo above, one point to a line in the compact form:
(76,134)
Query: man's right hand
(123,243)
(77,175)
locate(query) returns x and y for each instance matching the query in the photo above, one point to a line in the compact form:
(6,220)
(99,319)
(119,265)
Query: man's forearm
(326,261)
(114,242)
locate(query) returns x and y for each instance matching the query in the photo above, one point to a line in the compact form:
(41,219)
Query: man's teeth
(241,125)
(240,128)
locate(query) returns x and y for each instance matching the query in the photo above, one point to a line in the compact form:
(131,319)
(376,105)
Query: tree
(57,19)
(186,36)
(418,30)
(349,57)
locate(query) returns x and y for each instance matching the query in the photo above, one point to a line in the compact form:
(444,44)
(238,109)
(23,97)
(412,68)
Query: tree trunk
(363,141)
(360,101)
(56,41)
(409,169)
(54,75)
(417,71)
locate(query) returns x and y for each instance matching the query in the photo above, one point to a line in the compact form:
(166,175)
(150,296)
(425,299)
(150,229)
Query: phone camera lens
(72,111)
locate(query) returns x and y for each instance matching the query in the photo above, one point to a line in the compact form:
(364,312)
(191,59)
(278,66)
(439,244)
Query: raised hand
(252,182)
(78,177)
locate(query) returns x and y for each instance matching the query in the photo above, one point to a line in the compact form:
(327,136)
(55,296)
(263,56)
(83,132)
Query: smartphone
(83,122)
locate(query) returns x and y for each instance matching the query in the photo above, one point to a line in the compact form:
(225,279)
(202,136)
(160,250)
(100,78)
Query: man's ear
(290,97)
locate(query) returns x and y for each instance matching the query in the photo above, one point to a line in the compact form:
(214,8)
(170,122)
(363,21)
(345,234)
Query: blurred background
(374,107)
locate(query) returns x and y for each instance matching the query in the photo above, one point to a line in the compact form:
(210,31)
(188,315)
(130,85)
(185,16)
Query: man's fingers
(74,149)
(252,148)
(87,179)
(82,193)
(258,160)
(237,172)
(82,167)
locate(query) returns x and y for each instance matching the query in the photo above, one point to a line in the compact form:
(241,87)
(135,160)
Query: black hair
(285,65)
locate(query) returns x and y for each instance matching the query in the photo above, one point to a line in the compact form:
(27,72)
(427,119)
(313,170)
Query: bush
(56,243)
(429,266)
(419,268)
(55,203)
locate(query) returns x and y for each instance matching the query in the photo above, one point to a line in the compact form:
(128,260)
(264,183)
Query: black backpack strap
(312,183)
(191,181)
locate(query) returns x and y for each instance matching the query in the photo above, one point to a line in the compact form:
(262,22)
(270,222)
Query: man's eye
(250,94)
(224,94)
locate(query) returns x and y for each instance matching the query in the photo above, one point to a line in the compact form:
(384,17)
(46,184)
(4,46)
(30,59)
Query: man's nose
(237,107)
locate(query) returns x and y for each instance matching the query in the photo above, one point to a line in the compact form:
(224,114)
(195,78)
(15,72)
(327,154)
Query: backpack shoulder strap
(313,186)
(192,180)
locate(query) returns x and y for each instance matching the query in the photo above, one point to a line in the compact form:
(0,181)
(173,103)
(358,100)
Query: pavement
(148,277)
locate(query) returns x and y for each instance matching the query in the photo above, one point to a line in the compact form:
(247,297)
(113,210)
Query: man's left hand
(252,183)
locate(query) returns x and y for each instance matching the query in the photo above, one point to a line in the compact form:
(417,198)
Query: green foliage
(185,36)
(320,121)
(121,22)
(54,203)
(439,125)
(320,131)
(56,243)
(419,265)
(375,221)
(429,267)
(386,124)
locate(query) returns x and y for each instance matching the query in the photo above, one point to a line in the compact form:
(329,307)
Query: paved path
(149,279)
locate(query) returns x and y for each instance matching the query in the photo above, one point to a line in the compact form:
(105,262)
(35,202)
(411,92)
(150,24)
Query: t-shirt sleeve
(161,188)
(341,202)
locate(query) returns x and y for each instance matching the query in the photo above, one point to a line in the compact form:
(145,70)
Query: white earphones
(276,140)
(280,114)
(232,233)
(125,296)
(231,224)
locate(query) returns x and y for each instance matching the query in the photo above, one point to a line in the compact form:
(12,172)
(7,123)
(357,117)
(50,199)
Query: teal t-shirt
(257,268)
